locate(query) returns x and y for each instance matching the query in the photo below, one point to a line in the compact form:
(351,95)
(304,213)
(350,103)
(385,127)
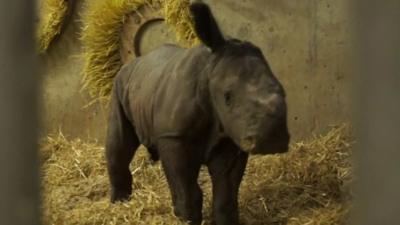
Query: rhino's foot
(120,195)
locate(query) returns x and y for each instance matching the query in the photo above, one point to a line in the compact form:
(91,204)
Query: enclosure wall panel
(66,105)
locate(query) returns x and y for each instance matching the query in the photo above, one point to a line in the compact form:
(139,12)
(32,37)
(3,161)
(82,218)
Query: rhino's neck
(203,92)
(205,102)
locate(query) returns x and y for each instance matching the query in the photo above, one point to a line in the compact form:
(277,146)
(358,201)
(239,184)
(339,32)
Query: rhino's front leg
(181,163)
(121,144)
(226,167)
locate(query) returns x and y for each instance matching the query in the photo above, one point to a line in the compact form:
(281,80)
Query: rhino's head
(247,98)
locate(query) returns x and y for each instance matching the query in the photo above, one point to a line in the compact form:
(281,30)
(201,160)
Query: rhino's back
(160,96)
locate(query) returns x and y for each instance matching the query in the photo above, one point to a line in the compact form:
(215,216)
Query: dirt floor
(309,185)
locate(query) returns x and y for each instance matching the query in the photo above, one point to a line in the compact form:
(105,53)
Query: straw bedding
(308,185)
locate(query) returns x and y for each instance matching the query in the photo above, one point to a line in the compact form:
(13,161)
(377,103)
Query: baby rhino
(211,105)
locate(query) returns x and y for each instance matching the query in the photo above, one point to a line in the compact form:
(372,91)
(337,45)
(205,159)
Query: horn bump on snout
(277,104)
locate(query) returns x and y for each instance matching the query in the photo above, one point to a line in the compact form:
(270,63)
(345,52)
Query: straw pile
(102,23)
(51,16)
(177,15)
(309,185)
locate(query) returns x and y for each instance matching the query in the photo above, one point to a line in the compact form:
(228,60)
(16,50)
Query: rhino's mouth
(248,144)
(251,146)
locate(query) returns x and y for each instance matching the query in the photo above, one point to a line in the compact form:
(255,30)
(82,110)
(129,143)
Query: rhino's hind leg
(226,167)
(181,164)
(121,144)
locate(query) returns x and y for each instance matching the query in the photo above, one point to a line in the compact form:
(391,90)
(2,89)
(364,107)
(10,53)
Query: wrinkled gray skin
(213,104)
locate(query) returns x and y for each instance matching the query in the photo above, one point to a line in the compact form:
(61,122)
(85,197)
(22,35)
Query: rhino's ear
(205,25)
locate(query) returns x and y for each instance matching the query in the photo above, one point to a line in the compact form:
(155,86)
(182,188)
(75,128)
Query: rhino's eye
(228,98)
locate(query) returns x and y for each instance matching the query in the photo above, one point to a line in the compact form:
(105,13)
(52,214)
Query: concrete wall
(305,43)
(64,103)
